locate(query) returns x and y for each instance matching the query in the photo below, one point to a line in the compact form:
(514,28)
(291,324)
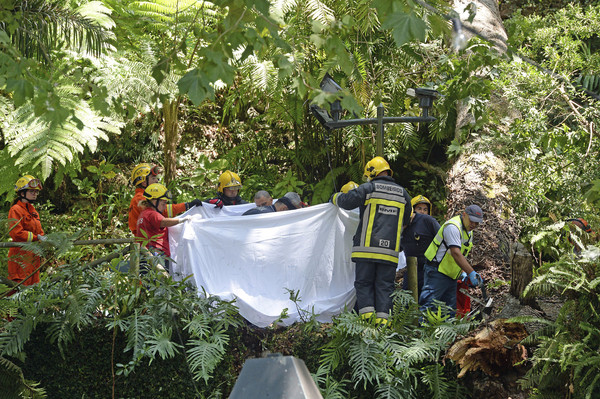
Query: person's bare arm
(168,222)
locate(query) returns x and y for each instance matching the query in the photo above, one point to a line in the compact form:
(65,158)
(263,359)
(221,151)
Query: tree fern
(43,26)
(567,351)
(38,142)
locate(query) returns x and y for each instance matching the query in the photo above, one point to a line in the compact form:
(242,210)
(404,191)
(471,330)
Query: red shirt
(148,228)
(134,209)
(24,225)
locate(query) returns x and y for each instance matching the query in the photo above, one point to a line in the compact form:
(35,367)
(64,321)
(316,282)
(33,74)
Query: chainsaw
(485,306)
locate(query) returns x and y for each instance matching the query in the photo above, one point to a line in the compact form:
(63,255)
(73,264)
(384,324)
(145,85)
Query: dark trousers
(374,284)
(437,286)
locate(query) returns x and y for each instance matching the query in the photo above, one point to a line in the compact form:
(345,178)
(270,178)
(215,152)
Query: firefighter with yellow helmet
(417,236)
(384,208)
(24,226)
(229,188)
(152,224)
(142,176)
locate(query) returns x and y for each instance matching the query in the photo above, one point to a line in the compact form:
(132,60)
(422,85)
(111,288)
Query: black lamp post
(332,121)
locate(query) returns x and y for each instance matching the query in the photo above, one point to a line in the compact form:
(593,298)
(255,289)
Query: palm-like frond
(171,11)
(35,141)
(43,26)
(14,385)
(205,354)
(160,343)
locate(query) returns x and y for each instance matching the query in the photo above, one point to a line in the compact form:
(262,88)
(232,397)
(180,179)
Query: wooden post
(411,274)
(521,273)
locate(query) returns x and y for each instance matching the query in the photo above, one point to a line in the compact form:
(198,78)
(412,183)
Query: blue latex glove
(463,277)
(475,279)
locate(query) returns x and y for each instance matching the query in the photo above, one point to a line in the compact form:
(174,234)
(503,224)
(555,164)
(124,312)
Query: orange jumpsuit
(24,224)
(134,209)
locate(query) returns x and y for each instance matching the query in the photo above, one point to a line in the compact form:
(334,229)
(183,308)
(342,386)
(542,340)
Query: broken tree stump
(493,350)
(521,270)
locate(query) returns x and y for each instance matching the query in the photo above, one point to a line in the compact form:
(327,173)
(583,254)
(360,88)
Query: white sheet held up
(256,259)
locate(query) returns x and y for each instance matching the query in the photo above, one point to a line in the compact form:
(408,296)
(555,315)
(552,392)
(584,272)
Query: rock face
(479,178)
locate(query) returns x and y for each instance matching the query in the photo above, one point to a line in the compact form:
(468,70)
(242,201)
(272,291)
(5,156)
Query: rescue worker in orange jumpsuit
(229,188)
(142,176)
(25,226)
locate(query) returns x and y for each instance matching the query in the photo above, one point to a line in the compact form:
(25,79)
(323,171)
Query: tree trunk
(487,21)
(172,138)
(521,273)
(478,177)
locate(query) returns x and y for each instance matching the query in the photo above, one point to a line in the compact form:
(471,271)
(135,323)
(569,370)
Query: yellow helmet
(348,186)
(229,179)
(157,191)
(28,182)
(420,199)
(375,166)
(139,173)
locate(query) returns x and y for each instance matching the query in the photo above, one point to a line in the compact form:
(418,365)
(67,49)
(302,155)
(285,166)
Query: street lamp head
(425,96)
(330,86)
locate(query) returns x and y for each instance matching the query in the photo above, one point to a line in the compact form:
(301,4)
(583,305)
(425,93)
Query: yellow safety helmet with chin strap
(375,166)
(28,182)
(348,186)
(157,191)
(141,171)
(229,179)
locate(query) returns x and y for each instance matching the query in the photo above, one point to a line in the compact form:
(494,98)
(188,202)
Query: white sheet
(255,259)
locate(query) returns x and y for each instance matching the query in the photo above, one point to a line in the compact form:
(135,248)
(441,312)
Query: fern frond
(14,385)
(15,335)
(160,343)
(138,330)
(204,356)
(36,141)
(319,11)
(366,362)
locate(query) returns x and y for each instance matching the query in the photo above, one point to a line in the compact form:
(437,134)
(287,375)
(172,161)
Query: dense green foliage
(227,85)
(566,361)
(146,337)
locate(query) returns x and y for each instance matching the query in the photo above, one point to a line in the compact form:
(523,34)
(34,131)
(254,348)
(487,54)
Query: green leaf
(22,90)
(195,85)
(405,27)
(160,70)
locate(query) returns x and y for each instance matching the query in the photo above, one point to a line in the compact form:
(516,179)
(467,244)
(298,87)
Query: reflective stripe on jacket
(384,208)
(448,265)
(24,225)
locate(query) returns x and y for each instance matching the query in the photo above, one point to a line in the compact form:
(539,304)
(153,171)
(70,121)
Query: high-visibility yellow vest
(448,265)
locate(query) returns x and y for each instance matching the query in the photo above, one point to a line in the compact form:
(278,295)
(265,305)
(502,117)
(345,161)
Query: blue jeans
(437,286)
